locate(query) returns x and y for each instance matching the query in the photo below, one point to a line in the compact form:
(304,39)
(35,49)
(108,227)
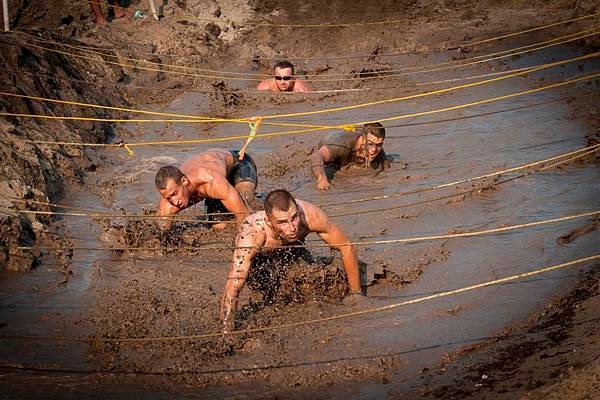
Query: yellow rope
(129,110)
(387,73)
(172,121)
(267,93)
(291,132)
(100,213)
(384,74)
(476,103)
(203,119)
(317,127)
(435,92)
(462,45)
(320,245)
(586,150)
(472,190)
(318,320)
(181,218)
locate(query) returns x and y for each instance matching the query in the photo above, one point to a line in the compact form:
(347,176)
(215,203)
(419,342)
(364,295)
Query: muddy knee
(247,191)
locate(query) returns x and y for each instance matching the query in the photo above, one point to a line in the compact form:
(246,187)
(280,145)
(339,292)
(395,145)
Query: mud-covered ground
(173,294)
(556,355)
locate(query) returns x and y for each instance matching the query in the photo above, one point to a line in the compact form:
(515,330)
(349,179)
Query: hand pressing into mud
(356,299)
(323,183)
(226,344)
(219,227)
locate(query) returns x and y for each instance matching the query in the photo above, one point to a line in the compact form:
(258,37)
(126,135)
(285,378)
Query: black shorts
(244,170)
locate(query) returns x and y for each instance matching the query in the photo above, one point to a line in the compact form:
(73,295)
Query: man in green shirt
(342,148)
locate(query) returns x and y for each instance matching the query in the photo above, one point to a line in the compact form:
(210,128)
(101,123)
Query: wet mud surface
(126,279)
(554,356)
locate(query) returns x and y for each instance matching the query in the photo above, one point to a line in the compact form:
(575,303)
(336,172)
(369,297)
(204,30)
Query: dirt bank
(555,356)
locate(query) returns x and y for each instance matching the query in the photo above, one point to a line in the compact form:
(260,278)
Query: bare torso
(202,169)
(298,86)
(256,235)
(206,178)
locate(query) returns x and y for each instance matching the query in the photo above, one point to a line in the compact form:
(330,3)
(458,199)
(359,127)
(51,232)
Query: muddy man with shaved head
(285,221)
(217,176)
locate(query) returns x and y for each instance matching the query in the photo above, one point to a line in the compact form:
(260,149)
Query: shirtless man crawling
(285,221)
(216,175)
(283,80)
(343,148)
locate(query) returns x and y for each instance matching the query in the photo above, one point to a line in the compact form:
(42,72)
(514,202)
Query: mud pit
(176,292)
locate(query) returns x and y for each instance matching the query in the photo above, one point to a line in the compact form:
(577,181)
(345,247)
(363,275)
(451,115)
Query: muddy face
(373,146)
(284,79)
(285,224)
(178,195)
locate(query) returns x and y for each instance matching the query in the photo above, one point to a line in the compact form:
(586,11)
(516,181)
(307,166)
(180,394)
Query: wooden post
(153,9)
(5,14)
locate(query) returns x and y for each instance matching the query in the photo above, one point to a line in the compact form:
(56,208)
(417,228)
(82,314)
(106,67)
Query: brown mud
(173,294)
(555,356)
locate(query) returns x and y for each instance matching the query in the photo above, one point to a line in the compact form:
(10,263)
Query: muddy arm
(318,159)
(247,242)
(166,209)
(336,238)
(229,196)
(301,86)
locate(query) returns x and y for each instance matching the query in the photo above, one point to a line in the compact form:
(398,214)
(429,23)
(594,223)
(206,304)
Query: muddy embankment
(555,355)
(38,172)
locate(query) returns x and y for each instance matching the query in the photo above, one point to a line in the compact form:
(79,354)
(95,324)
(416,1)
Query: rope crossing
(320,245)
(368,311)
(315,128)
(83,212)
(221,74)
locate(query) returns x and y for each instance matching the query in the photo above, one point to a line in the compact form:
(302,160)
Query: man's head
(174,186)
(283,215)
(374,134)
(283,73)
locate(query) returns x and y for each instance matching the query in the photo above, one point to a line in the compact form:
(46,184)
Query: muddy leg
(119,12)
(215,207)
(97,10)
(247,191)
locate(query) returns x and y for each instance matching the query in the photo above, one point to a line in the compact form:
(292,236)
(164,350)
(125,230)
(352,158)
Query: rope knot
(125,146)
(253,123)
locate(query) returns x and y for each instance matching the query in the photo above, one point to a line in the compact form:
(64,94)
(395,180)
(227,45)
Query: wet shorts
(244,170)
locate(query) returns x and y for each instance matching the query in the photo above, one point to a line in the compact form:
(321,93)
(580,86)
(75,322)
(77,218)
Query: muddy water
(396,344)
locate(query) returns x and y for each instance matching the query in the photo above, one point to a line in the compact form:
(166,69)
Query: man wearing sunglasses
(283,80)
(343,148)
(284,222)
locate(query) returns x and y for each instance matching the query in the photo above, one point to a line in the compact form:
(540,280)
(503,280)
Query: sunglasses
(283,78)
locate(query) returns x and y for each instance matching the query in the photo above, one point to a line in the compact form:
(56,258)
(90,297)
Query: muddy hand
(220,226)
(323,184)
(356,299)
(227,343)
